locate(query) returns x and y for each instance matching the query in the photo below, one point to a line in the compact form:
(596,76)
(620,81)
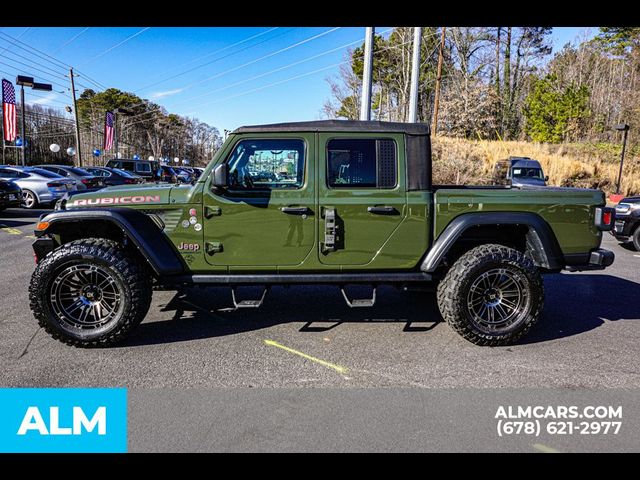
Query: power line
(264,57)
(71,40)
(19,36)
(228,47)
(38,53)
(302,76)
(213,61)
(299,62)
(115,46)
(32,68)
(50,70)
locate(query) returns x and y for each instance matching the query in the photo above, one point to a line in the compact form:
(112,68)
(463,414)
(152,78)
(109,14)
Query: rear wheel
(89,293)
(29,199)
(492,295)
(636,238)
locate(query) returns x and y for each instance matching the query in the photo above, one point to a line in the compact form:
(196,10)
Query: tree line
(146,129)
(502,83)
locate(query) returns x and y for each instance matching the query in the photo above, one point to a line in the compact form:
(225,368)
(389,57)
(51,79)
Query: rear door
(362,195)
(265,218)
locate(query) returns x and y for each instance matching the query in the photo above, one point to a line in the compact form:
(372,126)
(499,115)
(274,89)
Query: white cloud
(166,93)
(46,100)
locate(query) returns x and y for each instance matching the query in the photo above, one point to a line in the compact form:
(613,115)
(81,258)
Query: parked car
(38,186)
(185,174)
(165,173)
(80,176)
(114,176)
(10,194)
(520,171)
(627,226)
(144,168)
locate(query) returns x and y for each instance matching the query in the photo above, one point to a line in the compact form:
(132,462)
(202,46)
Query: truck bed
(569,211)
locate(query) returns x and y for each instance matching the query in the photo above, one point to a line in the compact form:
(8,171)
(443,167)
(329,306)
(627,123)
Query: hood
(123,196)
(635,199)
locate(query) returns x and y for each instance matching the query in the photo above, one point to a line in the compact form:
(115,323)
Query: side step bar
(359,302)
(248,303)
(302,278)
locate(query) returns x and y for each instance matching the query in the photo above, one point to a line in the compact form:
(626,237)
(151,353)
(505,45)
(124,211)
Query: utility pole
(625,128)
(436,102)
(415,75)
(22,127)
(115,132)
(75,112)
(365,104)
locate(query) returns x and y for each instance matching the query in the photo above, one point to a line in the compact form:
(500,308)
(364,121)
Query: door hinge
(212,211)
(213,247)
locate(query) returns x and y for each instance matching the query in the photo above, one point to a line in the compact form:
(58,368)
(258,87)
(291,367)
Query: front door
(265,217)
(362,195)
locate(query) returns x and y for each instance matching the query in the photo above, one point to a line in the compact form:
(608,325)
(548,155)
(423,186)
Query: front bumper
(11,199)
(597,259)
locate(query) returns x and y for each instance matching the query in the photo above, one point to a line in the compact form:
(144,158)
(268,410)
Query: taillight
(86,181)
(129,180)
(54,184)
(605,218)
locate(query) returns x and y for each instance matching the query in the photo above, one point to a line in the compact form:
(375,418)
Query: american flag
(9,111)
(108,131)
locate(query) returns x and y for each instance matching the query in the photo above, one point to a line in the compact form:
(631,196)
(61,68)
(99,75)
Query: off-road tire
(636,238)
(131,280)
(454,293)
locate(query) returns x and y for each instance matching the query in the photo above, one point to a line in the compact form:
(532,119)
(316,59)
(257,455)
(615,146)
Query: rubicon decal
(117,200)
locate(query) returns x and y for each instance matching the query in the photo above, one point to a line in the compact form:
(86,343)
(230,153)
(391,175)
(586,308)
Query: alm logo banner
(63,420)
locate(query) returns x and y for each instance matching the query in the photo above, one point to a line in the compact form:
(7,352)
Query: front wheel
(29,199)
(89,293)
(492,295)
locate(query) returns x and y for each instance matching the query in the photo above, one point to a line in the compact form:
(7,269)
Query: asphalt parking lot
(588,337)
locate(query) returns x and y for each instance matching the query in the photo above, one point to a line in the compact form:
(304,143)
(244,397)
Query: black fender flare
(138,227)
(541,237)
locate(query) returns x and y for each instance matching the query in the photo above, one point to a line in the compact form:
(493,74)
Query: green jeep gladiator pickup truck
(324,202)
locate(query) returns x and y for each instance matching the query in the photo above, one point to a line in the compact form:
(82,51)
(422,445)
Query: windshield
(528,173)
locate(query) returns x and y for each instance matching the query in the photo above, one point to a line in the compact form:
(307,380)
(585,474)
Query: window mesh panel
(386,164)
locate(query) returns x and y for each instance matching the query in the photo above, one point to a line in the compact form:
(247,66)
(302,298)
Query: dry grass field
(570,165)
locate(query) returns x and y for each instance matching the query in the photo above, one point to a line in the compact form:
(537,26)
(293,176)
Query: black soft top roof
(339,126)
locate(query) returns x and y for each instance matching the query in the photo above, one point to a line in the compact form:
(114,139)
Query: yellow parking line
(324,363)
(12,231)
(544,448)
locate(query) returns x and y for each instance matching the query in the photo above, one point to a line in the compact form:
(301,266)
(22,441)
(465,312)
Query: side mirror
(546,178)
(220,176)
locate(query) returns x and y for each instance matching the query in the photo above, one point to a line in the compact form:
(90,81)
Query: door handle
(383,210)
(296,210)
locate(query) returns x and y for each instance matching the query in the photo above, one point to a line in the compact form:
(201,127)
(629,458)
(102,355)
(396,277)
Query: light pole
(623,127)
(123,111)
(25,81)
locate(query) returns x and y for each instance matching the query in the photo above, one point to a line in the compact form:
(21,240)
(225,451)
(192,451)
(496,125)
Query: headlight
(623,208)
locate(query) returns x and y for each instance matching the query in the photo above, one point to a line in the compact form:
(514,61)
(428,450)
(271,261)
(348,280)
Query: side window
(6,173)
(127,166)
(143,167)
(267,164)
(362,163)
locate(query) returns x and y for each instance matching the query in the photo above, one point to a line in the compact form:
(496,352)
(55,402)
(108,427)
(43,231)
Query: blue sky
(224,76)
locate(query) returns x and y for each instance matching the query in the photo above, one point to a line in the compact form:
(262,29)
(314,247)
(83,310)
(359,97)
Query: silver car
(38,186)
